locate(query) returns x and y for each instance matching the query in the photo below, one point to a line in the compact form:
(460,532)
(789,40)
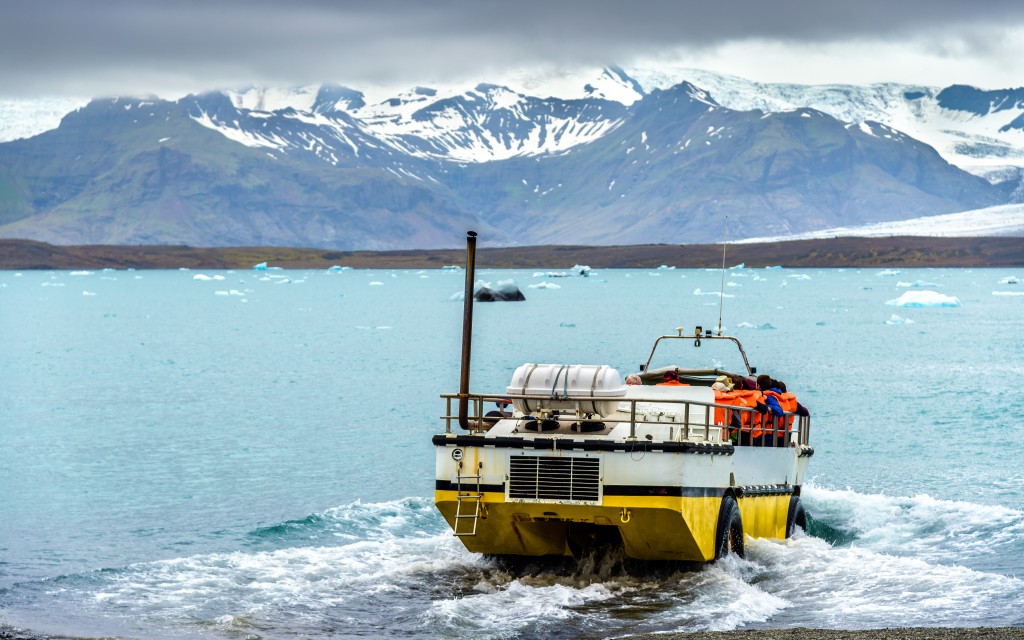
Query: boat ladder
(471,498)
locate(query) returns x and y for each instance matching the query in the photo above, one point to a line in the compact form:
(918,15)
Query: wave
(393,568)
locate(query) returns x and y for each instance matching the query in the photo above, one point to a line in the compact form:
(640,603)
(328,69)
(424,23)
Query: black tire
(797,517)
(729,535)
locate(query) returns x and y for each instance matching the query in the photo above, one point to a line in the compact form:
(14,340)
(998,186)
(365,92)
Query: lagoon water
(247,454)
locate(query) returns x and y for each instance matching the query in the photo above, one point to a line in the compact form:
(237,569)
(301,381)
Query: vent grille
(549,479)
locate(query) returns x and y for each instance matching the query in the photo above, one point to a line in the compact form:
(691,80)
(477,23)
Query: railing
(738,424)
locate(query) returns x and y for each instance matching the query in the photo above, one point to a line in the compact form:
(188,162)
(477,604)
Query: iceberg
(924,299)
(260,267)
(895,319)
(889,272)
(544,285)
(917,284)
(505,290)
(204,277)
(698,292)
(1009,280)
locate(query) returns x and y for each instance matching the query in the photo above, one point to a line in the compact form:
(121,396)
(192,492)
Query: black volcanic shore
(909,633)
(906,252)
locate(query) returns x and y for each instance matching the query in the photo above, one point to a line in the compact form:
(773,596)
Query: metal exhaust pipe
(467,329)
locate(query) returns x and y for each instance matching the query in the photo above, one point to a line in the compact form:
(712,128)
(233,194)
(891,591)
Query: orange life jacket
(752,421)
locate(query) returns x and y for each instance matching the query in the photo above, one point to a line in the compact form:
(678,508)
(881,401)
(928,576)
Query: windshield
(721,353)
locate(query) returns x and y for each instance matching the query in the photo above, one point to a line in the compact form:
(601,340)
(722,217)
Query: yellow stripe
(651,527)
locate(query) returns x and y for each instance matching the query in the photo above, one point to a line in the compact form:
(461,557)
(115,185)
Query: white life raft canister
(567,387)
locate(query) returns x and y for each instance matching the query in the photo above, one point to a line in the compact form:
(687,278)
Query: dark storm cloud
(86,47)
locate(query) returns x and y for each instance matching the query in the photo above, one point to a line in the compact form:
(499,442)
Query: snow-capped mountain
(977,130)
(624,157)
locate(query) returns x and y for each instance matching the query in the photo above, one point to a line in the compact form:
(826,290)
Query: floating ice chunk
(451,267)
(458,296)
(766,326)
(739,266)
(504,291)
(698,292)
(80,273)
(53,284)
(88,293)
(917,284)
(204,277)
(260,267)
(544,285)
(232,292)
(665,267)
(889,272)
(581,270)
(733,284)
(895,319)
(924,299)
(550,274)
(375,283)
(1009,280)
(774,268)
(799,276)
(1008,293)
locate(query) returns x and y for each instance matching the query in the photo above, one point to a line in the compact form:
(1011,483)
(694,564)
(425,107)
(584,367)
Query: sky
(169,48)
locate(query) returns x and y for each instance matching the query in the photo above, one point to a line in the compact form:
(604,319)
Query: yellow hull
(650,527)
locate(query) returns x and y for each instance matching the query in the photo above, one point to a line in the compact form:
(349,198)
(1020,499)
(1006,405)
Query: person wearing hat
(671,380)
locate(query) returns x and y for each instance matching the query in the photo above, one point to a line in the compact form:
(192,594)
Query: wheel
(797,517)
(729,535)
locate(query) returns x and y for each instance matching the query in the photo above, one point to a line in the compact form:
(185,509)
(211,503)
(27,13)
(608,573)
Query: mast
(467,329)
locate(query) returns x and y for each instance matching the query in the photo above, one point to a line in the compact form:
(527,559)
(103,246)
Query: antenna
(721,291)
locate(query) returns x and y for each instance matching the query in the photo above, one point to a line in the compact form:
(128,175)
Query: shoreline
(794,633)
(889,252)
(802,633)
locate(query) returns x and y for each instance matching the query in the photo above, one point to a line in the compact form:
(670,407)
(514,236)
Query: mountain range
(645,156)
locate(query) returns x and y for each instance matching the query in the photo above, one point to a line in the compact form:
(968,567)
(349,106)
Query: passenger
(724,395)
(800,410)
(765,384)
(671,380)
(633,379)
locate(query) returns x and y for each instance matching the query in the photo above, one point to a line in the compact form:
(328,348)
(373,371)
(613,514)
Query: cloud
(142,46)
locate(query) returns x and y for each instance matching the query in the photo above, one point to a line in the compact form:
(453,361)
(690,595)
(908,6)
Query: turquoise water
(247,454)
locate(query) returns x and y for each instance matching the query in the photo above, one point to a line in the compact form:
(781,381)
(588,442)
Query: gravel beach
(908,633)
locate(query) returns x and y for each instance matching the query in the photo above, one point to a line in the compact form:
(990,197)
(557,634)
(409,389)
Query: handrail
(793,429)
(698,338)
